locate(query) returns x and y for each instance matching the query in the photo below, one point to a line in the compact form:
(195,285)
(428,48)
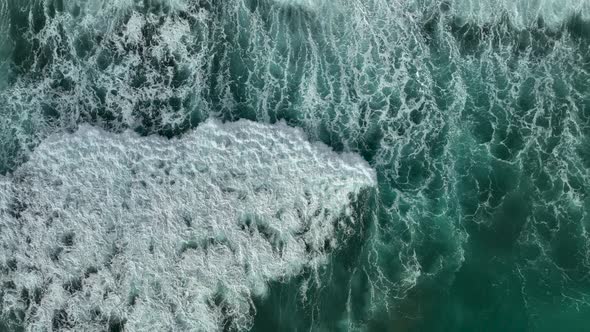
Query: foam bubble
(169,234)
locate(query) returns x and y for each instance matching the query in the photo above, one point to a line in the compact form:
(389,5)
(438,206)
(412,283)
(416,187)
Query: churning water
(294,165)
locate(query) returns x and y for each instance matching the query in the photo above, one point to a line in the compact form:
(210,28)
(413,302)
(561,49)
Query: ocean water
(294,165)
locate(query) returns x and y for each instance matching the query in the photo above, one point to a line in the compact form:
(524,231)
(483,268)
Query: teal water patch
(475,115)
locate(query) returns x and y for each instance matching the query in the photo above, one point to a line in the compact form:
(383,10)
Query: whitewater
(319,165)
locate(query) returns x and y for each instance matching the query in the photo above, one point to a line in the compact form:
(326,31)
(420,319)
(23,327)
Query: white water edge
(170,234)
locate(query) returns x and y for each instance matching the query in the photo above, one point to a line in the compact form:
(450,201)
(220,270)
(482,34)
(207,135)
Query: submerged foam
(168,234)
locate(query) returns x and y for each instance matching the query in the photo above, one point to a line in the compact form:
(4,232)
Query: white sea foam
(522,13)
(169,234)
(303,3)
(5,192)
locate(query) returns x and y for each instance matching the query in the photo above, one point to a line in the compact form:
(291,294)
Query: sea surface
(295,165)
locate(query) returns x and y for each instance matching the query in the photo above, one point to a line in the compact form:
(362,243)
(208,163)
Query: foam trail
(158,234)
(474,113)
(4,43)
(522,13)
(310,4)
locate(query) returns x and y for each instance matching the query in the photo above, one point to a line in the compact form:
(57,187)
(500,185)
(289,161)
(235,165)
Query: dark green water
(475,117)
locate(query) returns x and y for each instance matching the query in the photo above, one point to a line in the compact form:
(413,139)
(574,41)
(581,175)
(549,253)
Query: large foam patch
(102,230)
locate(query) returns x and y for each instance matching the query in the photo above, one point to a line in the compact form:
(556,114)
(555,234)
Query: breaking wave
(474,114)
(107,229)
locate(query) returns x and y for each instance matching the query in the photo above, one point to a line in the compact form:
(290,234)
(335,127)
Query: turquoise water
(474,115)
